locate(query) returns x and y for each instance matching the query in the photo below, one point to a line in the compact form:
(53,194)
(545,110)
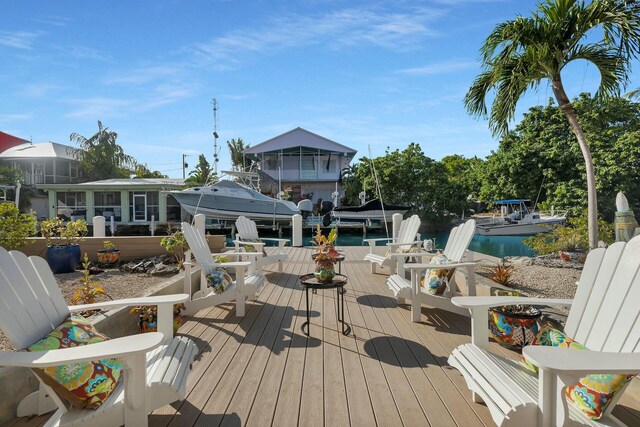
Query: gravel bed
(117,284)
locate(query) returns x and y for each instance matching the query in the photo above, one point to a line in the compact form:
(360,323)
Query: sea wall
(131,247)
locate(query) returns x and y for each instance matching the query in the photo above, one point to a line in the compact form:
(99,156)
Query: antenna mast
(216,150)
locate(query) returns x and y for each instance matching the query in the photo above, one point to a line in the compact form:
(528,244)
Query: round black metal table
(308,281)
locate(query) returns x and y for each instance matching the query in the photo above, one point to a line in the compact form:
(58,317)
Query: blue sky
(363,73)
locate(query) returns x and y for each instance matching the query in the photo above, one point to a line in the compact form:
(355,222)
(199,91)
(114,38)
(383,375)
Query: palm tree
(236,147)
(100,155)
(518,54)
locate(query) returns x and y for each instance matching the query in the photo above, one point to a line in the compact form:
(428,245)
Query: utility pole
(214,102)
(185,165)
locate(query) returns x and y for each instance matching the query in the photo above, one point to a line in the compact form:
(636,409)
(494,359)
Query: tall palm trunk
(592,201)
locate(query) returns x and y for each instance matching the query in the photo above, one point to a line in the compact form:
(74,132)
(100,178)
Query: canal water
(498,246)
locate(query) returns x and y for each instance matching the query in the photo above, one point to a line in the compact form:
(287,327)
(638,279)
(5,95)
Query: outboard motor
(326,220)
(326,207)
(306,207)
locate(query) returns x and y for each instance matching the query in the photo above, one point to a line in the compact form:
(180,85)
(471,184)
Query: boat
(371,211)
(518,220)
(227,200)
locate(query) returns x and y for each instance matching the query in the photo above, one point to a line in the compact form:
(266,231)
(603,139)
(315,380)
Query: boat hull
(230,203)
(521,229)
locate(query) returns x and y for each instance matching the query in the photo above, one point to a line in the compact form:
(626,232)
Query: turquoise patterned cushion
(435,280)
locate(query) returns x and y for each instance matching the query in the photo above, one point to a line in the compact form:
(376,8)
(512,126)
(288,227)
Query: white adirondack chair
(248,233)
(249,278)
(604,317)
(156,364)
(456,251)
(406,239)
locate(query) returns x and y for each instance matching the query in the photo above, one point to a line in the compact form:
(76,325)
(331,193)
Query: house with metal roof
(43,163)
(306,163)
(129,201)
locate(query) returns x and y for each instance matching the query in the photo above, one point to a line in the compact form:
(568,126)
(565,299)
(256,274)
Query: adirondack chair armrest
(257,245)
(150,300)
(582,362)
(238,254)
(438,266)
(415,242)
(273,239)
(485,303)
(116,348)
(234,264)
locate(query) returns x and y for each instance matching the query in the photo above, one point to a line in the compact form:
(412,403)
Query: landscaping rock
(162,269)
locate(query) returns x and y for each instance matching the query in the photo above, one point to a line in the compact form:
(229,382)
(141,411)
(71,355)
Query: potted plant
(513,326)
(110,254)
(325,256)
(63,254)
(89,289)
(16,227)
(148,317)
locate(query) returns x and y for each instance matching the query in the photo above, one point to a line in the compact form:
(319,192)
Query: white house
(307,163)
(43,163)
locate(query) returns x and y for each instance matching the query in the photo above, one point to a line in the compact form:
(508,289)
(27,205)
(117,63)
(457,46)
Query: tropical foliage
(572,237)
(142,171)
(100,156)
(238,160)
(202,172)
(520,53)
(15,227)
(540,155)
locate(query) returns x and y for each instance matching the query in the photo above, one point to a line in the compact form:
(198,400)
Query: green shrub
(176,244)
(15,227)
(574,236)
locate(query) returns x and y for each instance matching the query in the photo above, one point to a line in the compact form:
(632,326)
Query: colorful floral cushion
(218,280)
(399,251)
(85,385)
(435,280)
(592,393)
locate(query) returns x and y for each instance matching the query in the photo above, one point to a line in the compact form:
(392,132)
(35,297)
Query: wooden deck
(261,369)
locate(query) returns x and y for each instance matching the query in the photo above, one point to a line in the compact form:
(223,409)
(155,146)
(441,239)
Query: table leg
(346,329)
(307,323)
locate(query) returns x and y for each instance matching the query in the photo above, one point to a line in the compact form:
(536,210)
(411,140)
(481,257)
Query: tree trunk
(592,201)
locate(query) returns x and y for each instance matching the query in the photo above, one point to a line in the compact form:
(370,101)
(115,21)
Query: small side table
(308,281)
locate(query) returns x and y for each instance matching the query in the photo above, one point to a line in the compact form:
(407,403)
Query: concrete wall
(131,247)
(16,383)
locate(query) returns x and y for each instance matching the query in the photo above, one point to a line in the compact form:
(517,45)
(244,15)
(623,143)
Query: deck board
(262,370)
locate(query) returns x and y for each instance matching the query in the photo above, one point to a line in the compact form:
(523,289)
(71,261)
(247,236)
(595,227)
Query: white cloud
(99,108)
(143,75)
(337,29)
(441,67)
(12,118)
(18,39)
(37,90)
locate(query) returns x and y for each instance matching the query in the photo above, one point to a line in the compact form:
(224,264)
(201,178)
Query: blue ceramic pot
(63,259)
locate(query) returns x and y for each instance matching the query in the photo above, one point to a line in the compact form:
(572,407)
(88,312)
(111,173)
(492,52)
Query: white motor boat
(518,220)
(227,200)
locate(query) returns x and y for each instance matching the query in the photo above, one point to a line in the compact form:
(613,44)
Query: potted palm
(63,253)
(110,254)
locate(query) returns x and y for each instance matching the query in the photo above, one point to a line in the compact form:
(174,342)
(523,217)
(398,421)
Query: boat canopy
(371,205)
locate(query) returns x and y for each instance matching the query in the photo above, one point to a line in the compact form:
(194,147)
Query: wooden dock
(261,370)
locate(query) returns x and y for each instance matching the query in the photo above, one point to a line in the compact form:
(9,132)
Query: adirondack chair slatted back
(197,244)
(459,240)
(408,230)
(605,315)
(31,304)
(247,229)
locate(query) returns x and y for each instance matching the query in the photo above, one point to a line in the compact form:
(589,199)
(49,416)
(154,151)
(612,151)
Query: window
(70,202)
(108,204)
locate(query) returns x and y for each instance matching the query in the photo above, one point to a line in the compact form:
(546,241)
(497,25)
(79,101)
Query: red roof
(7,141)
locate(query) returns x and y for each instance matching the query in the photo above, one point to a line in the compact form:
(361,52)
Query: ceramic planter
(513,331)
(63,259)
(324,271)
(108,256)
